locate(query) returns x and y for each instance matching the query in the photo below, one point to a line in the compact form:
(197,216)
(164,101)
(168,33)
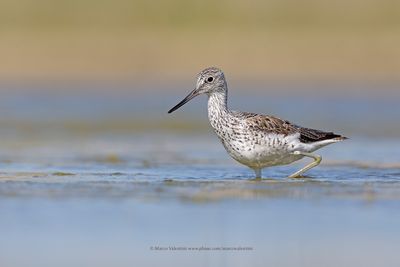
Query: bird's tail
(308,135)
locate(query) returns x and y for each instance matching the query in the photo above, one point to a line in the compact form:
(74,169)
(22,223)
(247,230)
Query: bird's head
(209,81)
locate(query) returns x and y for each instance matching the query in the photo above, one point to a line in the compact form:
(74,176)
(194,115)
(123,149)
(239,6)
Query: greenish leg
(258,173)
(316,162)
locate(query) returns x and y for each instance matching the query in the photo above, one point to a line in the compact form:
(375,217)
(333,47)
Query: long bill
(190,96)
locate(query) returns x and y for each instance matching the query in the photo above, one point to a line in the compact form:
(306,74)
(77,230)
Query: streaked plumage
(256,140)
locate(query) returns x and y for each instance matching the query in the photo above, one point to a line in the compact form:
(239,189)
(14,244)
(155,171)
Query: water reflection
(345,183)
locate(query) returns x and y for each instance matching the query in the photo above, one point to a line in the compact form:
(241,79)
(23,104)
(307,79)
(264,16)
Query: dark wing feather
(308,135)
(276,125)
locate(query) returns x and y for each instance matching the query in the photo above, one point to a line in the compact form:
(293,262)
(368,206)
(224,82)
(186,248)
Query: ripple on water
(206,183)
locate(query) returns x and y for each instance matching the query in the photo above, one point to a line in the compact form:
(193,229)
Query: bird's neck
(217,106)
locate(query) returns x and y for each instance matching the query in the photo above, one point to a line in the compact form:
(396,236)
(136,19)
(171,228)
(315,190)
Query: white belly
(269,150)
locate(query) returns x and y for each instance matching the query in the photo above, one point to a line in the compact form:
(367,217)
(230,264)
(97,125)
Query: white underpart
(269,150)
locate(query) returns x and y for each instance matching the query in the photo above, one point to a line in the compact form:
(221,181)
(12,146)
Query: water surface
(92,180)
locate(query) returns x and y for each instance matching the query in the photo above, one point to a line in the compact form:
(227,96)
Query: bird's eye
(210,79)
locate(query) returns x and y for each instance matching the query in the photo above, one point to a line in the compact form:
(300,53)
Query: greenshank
(256,140)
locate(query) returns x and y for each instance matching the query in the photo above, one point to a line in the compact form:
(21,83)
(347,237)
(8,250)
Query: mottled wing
(269,124)
(276,125)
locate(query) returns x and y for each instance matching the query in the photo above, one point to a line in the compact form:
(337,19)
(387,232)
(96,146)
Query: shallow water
(78,188)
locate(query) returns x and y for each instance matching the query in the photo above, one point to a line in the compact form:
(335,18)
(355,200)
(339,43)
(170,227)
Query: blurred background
(133,59)
(93,171)
(138,41)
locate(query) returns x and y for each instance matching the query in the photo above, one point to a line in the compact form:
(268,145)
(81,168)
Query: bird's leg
(258,173)
(316,162)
